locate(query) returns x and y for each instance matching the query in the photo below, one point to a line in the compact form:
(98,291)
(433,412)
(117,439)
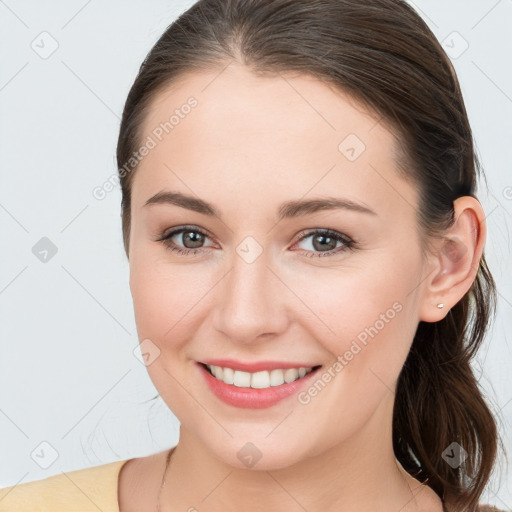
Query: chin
(256,455)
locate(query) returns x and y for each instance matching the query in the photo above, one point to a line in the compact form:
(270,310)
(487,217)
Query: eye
(190,236)
(325,240)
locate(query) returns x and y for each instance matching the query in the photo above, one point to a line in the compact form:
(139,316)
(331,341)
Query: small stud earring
(440,305)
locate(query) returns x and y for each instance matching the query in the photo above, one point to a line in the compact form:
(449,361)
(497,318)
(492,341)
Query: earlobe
(455,264)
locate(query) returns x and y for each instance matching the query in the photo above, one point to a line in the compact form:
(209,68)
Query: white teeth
(257,380)
(242,379)
(229,375)
(260,380)
(291,374)
(276,377)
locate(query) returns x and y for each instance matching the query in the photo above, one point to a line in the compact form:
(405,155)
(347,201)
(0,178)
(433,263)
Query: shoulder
(86,490)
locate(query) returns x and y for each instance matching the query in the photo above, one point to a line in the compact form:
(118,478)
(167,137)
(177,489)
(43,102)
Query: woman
(307,267)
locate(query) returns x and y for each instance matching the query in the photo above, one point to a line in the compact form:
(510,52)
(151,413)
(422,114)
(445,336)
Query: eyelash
(349,244)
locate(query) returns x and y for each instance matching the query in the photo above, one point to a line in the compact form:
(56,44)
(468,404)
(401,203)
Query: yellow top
(83,490)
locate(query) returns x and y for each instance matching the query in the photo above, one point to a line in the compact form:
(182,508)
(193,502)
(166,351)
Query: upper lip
(256,366)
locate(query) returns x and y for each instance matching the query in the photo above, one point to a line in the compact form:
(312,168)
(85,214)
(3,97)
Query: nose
(251,302)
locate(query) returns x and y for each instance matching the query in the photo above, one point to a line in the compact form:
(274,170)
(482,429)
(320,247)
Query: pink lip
(250,398)
(256,366)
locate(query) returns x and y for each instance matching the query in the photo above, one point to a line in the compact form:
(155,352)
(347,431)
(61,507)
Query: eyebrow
(287,210)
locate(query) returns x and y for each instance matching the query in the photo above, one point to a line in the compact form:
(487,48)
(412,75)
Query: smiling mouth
(258,380)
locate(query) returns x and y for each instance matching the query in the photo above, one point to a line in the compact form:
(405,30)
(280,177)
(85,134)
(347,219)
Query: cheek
(373,318)
(166,306)
(163,296)
(171,304)
(365,315)
(151,300)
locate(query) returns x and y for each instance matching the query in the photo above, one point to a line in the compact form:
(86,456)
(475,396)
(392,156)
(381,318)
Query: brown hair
(383,54)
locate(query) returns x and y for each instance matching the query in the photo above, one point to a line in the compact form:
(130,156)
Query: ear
(454,265)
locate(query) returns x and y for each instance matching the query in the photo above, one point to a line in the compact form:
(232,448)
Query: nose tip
(250,304)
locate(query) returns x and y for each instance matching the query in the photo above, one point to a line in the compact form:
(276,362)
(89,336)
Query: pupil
(194,238)
(323,245)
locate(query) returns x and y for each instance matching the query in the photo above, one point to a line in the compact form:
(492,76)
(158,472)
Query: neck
(359,474)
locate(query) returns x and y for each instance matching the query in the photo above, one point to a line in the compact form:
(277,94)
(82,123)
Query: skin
(249,145)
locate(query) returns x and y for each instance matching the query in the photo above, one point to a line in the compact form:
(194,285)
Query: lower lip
(251,398)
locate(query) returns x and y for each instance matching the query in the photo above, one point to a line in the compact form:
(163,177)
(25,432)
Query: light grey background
(72,389)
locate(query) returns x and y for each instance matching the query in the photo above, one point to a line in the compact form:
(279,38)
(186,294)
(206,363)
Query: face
(254,278)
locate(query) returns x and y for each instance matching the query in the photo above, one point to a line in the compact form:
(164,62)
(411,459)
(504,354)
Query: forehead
(279,136)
